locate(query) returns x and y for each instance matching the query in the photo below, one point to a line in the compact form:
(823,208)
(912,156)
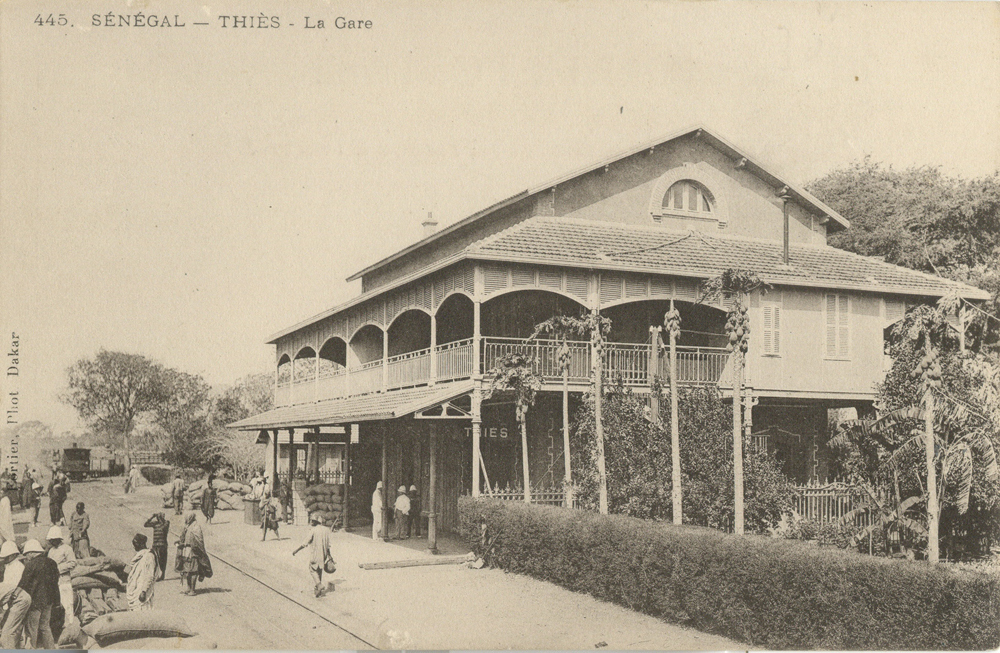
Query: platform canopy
(363,408)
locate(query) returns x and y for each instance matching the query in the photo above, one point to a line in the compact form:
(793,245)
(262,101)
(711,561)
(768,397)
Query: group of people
(406,513)
(29,590)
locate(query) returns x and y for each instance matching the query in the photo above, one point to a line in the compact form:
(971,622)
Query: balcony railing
(410,369)
(456,360)
(366,379)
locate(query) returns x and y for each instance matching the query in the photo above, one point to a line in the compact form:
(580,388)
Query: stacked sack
(145,629)
(229,494)
(99,586)
(325,501)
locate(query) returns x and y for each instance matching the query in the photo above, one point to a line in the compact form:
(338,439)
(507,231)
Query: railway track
(277,591)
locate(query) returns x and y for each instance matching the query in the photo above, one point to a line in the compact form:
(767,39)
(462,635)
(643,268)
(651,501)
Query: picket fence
(542,497)
(826,502)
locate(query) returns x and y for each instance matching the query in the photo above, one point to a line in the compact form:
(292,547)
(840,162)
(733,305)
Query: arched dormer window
(688,197)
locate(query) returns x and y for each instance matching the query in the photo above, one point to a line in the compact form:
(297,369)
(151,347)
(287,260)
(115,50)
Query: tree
(921,219)
(513,373)
(737,284)
(111,390)
(251,395)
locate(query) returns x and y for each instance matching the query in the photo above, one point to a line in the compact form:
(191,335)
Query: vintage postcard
(514,324)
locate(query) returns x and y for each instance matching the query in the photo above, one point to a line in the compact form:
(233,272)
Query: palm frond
(958,461)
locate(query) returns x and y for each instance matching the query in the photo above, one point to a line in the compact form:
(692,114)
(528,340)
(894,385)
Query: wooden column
(292,455)
(431,494)
(347,476)
(385,489)
(274,461)
(477,354)
(433,352)
(385,360)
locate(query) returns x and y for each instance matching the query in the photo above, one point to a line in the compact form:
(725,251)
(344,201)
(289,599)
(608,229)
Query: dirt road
(234,610)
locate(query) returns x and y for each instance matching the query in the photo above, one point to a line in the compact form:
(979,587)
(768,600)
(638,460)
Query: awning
(363,408)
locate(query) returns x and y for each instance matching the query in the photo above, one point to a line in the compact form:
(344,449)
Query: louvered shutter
(776,334)
(768,330)
(844,326)
(831,326)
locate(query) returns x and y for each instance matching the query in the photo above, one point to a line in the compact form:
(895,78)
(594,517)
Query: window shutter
(768,330)
(844,324)
(776,336)
(831,326)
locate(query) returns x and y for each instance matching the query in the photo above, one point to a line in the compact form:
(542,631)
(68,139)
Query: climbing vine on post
(672,324)
(514,373)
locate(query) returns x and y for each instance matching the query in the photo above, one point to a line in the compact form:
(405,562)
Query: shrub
(766,592)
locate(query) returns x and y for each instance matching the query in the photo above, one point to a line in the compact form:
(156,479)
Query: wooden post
(385,485)
(567,471)
(675,436)
(433,352)
(431,493)
(652,369)
(598,414)
(477,429)
(385,360)
(292,456)
(932,498)
(477,353)
(347,477)
(275,480)
(737,441)
(524,452)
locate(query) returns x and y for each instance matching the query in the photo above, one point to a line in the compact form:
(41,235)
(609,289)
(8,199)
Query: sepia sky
(185,192)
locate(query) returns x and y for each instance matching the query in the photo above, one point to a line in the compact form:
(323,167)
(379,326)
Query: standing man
(15,601)
(319,552)
(79,525)
(40,581)
(177,492)
(65,560)
(402,508)
(377,511)
(57,496)
(208,498)
(141,576)
(161,528)
(414,511)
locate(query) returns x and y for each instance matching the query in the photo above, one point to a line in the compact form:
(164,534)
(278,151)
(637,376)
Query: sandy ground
(267,602)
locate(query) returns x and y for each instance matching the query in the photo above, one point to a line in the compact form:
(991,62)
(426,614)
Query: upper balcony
(453,361)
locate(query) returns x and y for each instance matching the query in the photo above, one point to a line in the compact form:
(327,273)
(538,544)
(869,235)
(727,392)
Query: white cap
(55,533)
(413,488)
(32,546)
(402,488)
(9,548)
(378,485)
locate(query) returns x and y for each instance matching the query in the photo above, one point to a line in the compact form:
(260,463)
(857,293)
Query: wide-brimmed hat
(9,548)
(413,488)
(33,546)
(55,533)
(402,488)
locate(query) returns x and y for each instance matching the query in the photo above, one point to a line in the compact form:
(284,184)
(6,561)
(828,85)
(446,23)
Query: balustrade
(366,378)
(409,369)
(455,360)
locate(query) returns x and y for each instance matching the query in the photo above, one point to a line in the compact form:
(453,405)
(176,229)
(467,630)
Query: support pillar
(274,462)
(347,478)
(433,352)
(385,489)
(477,429)
(385,360)
(431,491)
(477,353)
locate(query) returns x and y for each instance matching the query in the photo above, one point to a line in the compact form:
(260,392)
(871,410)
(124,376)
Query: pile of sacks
(99,584)
(229,494)
(325,501)
(146,629)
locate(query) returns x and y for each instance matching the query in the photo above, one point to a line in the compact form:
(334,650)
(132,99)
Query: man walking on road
(15,601)
(319,553)
(79,525)
(141,576)
(65,560)
(41,582)
(177,492)
(377,511)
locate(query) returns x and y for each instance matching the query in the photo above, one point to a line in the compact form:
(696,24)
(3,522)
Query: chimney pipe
(430,225)
(786,196)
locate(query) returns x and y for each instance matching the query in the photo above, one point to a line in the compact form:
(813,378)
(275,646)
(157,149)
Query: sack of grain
(96,598)
(196,643)
(87,610)
(88,583)
(111,579)
(121,626)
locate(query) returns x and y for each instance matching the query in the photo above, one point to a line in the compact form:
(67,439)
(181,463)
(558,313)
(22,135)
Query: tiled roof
(364,408)
(604,245)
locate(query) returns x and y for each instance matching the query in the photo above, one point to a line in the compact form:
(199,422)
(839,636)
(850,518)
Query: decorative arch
(332,355)
(701,174)
(514,314)
(410,331)
(440,302)
(455,318)
(284,369)
(359,327)
(304,363)
(702,325)
(366,344)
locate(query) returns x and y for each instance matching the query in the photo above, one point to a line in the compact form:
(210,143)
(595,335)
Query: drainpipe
(786,196)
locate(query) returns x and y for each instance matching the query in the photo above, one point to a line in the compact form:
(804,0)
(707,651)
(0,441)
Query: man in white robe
(141,576)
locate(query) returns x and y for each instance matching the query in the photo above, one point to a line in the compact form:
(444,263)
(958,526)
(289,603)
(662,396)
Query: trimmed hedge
(763,591)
